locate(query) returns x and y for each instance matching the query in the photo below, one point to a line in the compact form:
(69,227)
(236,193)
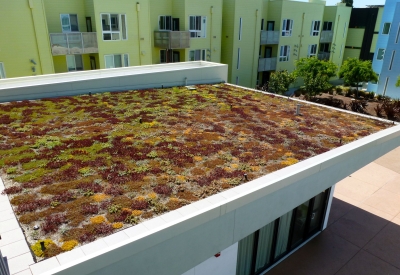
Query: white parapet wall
(109,80)
(180,240)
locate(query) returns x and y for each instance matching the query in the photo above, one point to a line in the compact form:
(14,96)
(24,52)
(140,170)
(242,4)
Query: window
(116,60)
(263,248)
(238,59)
(2,71)
(74,63)
(197,26)
(287,27)
(398,34)
(240,28)
(312,50)
(386,28)
(262,24)
(114,26)
(391,60)
(69,23)
(284,53)
(381,54)
(315,26)
(237,80)
(345,28)
(324,47)
(168,56)
(327,26)
(197,55)
(385,87)
(165,23)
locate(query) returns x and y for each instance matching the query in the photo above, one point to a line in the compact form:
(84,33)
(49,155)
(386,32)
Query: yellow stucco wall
(355,37)
(24,37)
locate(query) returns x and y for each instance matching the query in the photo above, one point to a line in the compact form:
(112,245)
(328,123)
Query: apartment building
(186,30)
(62,36)
(263,36)
(363,32)
(386,62)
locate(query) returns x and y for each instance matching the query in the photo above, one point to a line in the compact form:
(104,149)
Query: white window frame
(69,22)
(284,53)
(201,53)
(115,35)
(2,71)
(124,60)
(327,24)
(312,50)
(315,27)
(287,27)
(383,28)
(383,54)
(164,19)
(196,29)
(74,56)
(345,28)
(240,28)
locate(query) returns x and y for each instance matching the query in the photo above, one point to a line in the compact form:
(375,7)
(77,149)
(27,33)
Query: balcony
(172,39)
(73,43)
(269,37)
(267,64)
(326,36)
(324,56)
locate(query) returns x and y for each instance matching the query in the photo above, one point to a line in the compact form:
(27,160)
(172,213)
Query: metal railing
(172,39)
(326,36)
(73,43)
(269,37)
(324,56)
(267,64)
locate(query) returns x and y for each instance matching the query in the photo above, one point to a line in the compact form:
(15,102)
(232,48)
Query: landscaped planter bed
(84,167)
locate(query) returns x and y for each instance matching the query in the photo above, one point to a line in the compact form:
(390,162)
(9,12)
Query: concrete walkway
(363,233)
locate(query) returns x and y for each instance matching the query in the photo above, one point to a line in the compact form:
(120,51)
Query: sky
(356,3)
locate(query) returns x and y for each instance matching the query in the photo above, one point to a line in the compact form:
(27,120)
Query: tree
(398,82)
(349,3)
(280,81)
(354,71)
(315,73)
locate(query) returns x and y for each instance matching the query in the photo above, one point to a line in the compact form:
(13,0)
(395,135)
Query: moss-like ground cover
(82,167)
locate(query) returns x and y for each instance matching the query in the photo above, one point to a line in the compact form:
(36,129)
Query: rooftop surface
(363,233)
(84,167)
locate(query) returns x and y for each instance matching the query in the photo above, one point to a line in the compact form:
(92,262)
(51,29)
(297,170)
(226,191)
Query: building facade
(363,32)
(263,36)
(386,61)
(63,36)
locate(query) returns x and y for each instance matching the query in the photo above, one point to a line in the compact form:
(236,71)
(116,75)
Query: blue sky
(356,3)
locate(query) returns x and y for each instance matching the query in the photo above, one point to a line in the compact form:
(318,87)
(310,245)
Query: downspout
(138,29)
(211,29)
(301,35)
(334,40)
(255,50)
(31,4)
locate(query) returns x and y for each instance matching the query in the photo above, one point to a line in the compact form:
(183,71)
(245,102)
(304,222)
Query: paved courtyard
(363,233)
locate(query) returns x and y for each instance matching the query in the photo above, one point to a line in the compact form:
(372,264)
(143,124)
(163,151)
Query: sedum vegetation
(82,167)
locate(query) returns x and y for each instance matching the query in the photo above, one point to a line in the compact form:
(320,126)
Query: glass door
(317,213)
(264,247)
(283,235)
(299,224)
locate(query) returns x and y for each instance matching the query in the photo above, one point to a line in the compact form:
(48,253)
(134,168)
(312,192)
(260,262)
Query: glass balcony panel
(269,37)
(73,43)
(326,36)
(172,39)
(267,64)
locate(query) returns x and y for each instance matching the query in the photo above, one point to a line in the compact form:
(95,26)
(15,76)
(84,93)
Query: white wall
(108,80)
(225,264)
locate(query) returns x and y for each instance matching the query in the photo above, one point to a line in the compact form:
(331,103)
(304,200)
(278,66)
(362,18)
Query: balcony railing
(269,37)
(326,36)
(73,43)
(267,64)
(172,39)
(324,56)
